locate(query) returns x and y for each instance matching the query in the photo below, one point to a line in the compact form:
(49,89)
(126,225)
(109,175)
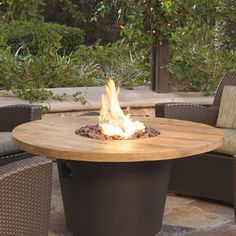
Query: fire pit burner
(95,132)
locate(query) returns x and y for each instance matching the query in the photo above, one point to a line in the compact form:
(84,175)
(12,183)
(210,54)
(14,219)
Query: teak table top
(56,138)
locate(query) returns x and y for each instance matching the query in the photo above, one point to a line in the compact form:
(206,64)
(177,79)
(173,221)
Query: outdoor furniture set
(25,179)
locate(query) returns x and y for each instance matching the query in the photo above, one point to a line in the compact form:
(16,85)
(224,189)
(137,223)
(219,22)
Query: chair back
(227,80)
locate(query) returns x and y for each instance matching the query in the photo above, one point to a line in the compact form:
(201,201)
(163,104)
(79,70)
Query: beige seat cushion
(227,112)
(7,145)
(229,145)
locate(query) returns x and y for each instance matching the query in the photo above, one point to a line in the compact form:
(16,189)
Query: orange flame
(112,119)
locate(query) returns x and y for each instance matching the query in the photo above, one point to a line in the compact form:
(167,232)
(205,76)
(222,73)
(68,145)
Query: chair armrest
(14,115)
(187,111)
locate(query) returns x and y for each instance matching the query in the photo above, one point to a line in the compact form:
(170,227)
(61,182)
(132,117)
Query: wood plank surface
(56,138)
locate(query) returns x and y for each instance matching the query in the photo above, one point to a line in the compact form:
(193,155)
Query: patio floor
(183,216)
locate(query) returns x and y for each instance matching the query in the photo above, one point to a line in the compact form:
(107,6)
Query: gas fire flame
(112,119)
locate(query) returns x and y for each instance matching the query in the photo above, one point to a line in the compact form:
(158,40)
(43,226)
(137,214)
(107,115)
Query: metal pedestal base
(114,199)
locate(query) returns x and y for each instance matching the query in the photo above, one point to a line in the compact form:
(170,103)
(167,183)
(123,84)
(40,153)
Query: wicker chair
(210,175)
(25,180)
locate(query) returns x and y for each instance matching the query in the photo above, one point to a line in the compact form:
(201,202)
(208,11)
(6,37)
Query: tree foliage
(201,35)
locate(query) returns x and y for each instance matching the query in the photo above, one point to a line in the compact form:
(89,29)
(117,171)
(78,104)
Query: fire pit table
(115,188)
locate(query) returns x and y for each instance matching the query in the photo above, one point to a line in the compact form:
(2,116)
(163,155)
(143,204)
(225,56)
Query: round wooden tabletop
(56,138)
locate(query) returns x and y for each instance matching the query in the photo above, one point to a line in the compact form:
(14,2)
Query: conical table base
(114,199)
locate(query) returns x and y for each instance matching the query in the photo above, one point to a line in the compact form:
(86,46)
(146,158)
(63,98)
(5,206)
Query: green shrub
(29,10)
(201,53)
(126,64)
(79,13)
(72,37)
(30,35)
(199,70)
(29,76)
(201,36)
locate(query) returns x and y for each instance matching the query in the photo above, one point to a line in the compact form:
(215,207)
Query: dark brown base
(114,199)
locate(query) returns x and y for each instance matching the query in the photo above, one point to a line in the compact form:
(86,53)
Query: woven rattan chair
(210,175)
(25,181)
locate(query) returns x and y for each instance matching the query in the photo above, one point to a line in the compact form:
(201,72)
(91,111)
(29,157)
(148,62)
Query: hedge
(31,35)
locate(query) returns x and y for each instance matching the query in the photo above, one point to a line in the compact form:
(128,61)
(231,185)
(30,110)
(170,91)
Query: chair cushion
(7,145)
(229,145)
(227,111)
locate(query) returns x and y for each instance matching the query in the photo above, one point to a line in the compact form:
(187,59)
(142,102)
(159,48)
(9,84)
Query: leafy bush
(35,56)
(78,13)
(30,35)
(29,10)
(102,54)
(199,69)
(30,76)
(127,65)
(201,35)
(72,37)
(201,50)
